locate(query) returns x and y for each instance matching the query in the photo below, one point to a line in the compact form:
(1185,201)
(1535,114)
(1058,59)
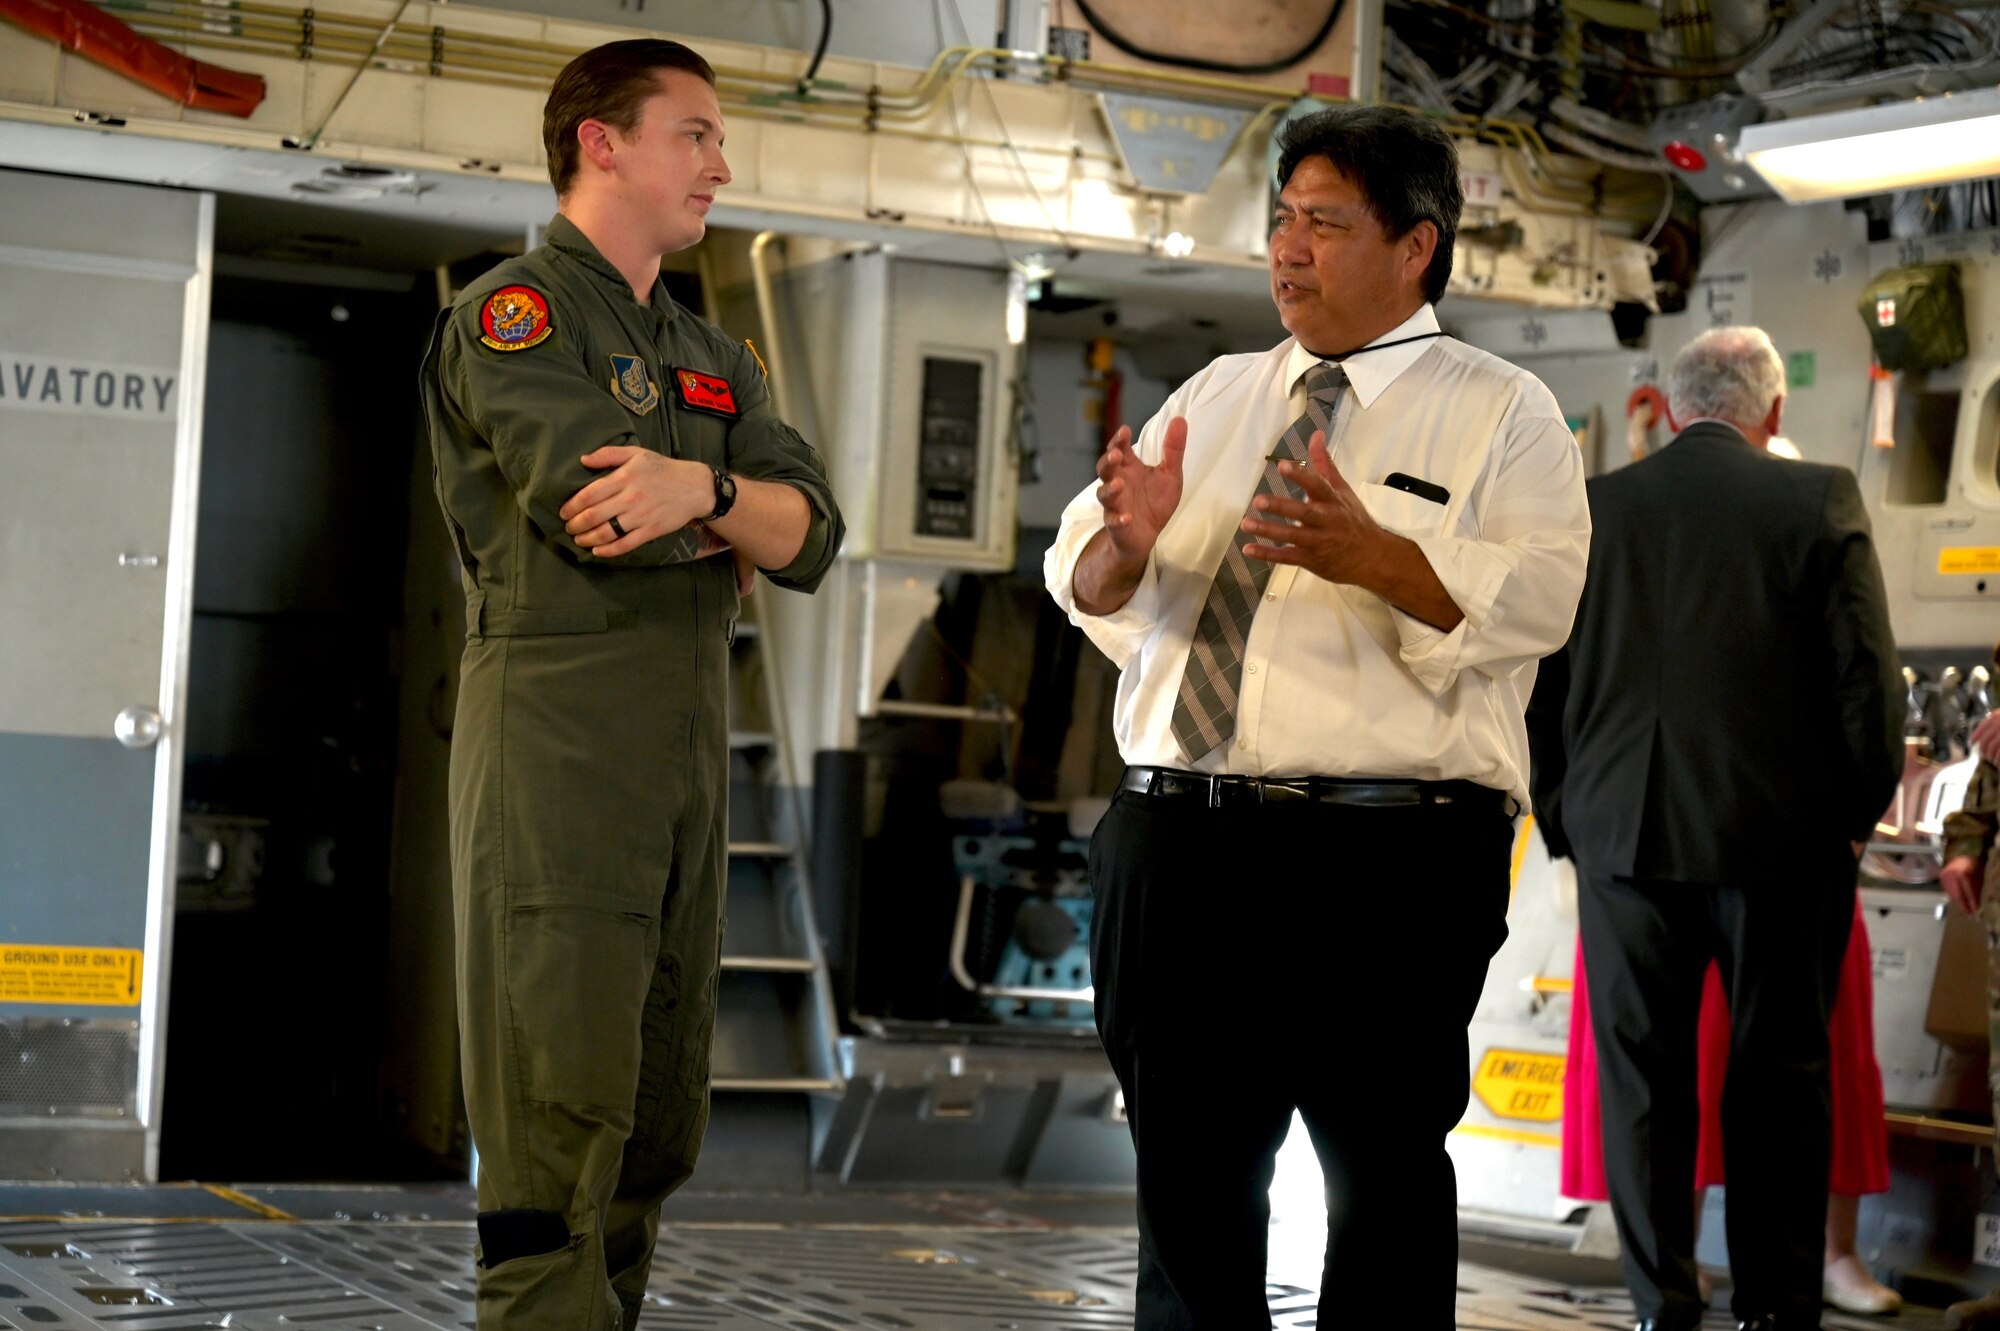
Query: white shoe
(1849,1287)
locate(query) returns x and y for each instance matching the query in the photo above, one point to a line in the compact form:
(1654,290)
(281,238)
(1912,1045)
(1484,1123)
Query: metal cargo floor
(343,1258)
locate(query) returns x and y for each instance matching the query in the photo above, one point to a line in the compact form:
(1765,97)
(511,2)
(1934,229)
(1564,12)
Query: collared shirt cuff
(1119,634)
(1472,576)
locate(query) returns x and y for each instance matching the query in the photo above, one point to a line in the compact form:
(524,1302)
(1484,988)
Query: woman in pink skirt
(1860,1138)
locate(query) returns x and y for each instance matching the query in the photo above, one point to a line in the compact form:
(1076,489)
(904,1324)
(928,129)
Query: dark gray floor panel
(397,1202)
(371,1275)
(116,1201)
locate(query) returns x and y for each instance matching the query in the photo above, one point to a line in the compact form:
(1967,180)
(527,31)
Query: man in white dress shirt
(1327,572)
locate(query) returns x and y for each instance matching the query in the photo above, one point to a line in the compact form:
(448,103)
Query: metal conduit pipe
(1530,177)
(413,51)
(329,51)
(947,68)
(1585,146)
(1605,127)
(478,57)
(776,363)
(1532,180)
(417,44)
(381,39)
(1533,176)
(1542,201)
(776,357)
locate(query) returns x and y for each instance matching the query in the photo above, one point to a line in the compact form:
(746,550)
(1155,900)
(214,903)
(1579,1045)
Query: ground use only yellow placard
(95,976)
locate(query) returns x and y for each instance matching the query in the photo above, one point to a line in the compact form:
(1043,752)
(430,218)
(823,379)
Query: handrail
(961,928)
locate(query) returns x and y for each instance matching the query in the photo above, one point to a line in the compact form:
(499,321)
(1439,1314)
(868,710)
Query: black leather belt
(1216,792)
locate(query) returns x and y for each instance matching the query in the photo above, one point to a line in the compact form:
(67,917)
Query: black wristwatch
(725,494)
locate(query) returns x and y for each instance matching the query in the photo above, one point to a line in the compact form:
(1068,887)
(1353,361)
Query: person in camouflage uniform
(612,471)
(1971,878)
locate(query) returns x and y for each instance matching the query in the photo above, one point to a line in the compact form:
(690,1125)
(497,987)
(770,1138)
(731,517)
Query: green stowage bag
(1916,316)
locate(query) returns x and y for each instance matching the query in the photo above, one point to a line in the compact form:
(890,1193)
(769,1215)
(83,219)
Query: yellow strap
(248,1203)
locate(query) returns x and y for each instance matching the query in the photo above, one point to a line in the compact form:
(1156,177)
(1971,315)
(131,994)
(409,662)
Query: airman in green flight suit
(609,466)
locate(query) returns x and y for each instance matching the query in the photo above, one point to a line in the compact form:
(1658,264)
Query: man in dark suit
(1719,735)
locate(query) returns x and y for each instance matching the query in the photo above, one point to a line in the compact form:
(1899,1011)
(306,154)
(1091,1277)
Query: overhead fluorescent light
(1899,145)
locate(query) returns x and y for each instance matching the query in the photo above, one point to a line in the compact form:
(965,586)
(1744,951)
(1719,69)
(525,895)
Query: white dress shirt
(1337,682)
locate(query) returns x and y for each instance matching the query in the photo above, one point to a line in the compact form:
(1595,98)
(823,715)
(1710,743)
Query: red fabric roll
(1860,1139)
(96,35)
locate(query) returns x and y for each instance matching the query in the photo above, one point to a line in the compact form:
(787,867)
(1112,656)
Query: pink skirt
(1860,1139)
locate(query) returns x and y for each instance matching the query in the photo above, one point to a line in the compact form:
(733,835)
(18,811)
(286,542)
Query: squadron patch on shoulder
(631,385)
(704,392)
(514,319)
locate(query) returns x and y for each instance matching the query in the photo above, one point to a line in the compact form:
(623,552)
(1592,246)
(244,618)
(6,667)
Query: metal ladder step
(775,1029)
(798,965)
(810,1085)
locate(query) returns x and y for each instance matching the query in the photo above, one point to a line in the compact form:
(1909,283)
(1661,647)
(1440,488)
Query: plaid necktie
(1205,713)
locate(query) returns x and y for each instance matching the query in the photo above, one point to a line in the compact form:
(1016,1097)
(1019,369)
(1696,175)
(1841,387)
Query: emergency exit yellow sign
(1969,559)
(98,976)
(1515,1084)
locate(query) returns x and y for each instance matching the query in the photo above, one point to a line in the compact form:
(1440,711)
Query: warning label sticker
(1515,1084)
(1969,559)
(100,976)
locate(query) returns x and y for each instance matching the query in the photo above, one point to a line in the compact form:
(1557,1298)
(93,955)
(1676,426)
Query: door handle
(138,727)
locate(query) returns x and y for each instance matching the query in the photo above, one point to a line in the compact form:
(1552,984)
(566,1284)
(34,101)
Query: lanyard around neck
(1383,346)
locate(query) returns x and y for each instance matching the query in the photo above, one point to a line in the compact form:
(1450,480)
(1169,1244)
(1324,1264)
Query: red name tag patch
(704,392)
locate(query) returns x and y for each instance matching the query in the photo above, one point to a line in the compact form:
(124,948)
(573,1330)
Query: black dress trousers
(1646,945)
(1255,959)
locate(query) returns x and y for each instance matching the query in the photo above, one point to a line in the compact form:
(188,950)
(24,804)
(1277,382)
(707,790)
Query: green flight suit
(589,765)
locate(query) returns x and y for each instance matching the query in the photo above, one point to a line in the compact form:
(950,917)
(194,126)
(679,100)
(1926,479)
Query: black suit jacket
(1729,704)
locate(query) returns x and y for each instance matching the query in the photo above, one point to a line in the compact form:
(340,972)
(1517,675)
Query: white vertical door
(104,300)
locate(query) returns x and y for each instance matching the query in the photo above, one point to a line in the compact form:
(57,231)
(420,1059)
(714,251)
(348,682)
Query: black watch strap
(725,494)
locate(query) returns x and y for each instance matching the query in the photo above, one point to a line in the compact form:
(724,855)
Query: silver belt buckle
(1214,791)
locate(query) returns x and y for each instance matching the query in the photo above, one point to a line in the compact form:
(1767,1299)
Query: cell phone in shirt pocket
(1408,484)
